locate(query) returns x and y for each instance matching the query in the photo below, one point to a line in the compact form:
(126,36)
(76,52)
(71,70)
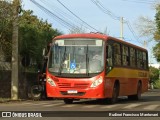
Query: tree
(5,29)
(157,19)
(154,74)
(145,26)
(151,30)
(156,49)
(34,35)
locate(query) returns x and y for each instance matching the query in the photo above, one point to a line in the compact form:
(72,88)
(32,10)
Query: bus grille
(64,85)
(76,85)
(75,94)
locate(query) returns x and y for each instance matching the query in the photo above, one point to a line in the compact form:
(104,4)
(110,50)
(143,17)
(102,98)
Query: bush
(157,84)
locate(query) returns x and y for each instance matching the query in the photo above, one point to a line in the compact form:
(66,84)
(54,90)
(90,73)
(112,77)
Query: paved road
(150,102)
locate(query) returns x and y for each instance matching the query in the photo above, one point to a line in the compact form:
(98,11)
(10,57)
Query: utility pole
(121,29)
(145,44)
(14,75)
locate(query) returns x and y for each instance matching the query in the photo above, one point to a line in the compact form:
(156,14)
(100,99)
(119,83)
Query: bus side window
(117,54)
(125,55)
(139,59)
(132,57)
(109,56)
(144,60)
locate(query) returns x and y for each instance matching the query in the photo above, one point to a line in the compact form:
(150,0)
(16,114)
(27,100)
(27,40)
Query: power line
(63,14)
(57,18)
(77,16)
(131,29)
(140,1)
(113,16)
(105,10)
(60,13)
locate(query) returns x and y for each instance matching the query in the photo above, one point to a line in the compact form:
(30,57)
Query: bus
(95,66)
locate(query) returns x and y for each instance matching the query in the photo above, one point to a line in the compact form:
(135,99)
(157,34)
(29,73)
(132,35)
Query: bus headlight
(51,82)
(97,82)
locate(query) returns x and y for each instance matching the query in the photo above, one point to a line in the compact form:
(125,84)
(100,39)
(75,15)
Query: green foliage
(156,49)
(157,18)
(5,28)
(157,84)
(154,74)
(34,34)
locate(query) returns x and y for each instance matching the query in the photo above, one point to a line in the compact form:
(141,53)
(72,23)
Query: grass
(2,100)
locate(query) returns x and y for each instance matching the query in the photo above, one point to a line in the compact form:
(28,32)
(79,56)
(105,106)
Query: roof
(83,35)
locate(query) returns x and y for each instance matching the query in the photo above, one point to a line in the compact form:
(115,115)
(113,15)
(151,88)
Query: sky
(95,15)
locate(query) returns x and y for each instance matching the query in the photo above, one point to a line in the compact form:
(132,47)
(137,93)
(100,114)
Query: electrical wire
(140,1)
(64,15)
(132,31)
(105,10)
(76,16)
(58,12)
(113,16)
(57,18)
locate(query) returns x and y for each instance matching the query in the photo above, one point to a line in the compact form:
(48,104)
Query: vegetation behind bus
(34,35)
(154,77)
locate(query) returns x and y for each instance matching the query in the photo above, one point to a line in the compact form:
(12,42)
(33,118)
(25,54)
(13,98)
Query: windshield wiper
(87,62)
(63,59)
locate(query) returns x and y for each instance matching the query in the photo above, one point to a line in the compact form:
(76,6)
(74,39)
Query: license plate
(72,91)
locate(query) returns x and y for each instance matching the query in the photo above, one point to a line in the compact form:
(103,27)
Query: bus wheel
(68,101)
(138,95)
(35,92)
(115,94)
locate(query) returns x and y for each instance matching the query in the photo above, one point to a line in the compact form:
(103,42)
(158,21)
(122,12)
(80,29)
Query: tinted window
(117,54)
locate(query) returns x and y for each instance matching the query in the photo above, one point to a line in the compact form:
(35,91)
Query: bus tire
(115,94)
(35,92)
(68,101)
(137,96)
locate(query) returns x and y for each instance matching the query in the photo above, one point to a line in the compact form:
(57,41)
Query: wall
(25,81)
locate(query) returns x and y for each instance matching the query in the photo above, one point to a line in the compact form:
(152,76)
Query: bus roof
(98,36)
(84,35)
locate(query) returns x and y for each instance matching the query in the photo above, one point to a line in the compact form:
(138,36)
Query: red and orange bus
(93,65)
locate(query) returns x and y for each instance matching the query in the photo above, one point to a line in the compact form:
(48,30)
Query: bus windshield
(76,56)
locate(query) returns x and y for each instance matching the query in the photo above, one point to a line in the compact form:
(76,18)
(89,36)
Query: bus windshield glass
(79,56)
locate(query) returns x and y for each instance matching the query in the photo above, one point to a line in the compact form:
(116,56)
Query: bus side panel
(132,86)
(108,87)
(145,83)
(128,81)
(127,86)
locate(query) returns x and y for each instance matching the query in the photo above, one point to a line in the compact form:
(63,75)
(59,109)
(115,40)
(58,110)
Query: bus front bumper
(88,93)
